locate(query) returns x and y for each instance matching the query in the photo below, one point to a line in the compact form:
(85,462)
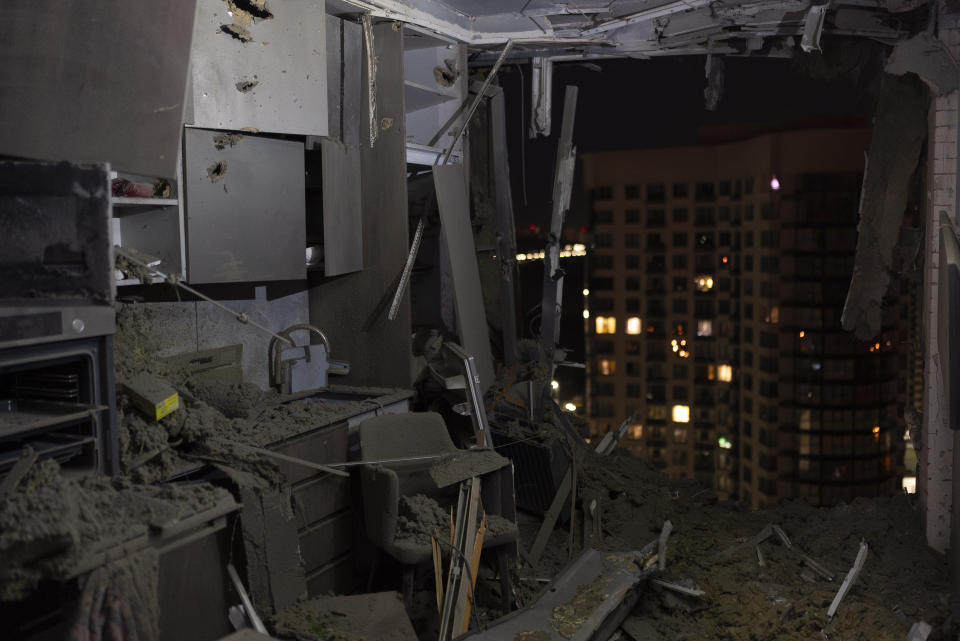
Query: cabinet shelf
(419,96)
(125,201)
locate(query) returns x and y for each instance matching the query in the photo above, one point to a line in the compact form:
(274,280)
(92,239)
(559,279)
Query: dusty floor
(901,582)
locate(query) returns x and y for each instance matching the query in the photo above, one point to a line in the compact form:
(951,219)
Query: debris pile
(52,527)
(779,585)
(419,516)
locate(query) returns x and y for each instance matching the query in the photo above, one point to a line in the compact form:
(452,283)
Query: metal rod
(477,99)
(408,459)
(245,598)
(407,268)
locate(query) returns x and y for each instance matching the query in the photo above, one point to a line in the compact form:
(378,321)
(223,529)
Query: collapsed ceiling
(583,29)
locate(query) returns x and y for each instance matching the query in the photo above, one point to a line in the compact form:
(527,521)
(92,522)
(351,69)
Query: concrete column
(934,477)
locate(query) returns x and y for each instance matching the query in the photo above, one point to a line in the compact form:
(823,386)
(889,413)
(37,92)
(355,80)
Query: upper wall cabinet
(435,87)
(244,207)
(95,81)
(259,65)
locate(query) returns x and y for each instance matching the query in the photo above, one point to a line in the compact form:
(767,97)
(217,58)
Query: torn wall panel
(928,58)
(454,208)
(900,128)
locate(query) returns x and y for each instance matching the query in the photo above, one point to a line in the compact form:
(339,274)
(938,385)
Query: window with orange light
(606,325)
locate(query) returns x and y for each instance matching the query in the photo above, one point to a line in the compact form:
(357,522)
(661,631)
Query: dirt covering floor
(784,598)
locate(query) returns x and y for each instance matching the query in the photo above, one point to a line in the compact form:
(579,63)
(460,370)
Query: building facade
(716,278)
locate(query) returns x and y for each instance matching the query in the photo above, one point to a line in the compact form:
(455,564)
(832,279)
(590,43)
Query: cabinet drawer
(326,540)
(324,446)
(319,498)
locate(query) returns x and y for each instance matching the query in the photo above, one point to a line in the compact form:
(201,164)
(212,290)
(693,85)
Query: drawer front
(334,578)
(326,541)
(325,446)
(320,497)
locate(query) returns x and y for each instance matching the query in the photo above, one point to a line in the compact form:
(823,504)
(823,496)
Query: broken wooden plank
(817,567)
(474,568)
(550,518)
(662,544)
(781,535)
(464,531)
(676,587)
(437,568)
(851,578)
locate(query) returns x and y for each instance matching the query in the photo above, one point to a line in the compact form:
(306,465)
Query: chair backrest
(393,436)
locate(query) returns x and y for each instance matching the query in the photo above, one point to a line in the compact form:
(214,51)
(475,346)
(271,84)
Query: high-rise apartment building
(716,277)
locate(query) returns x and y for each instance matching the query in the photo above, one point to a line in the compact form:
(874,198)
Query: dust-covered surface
(464,465)
(51,527)
(418,517)
(365,617)
(216,419)
(569,617)
(901,582)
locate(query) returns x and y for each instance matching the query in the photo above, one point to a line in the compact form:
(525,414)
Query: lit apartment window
(725,373)
(606,325)
(607,367)
(704,283)
(636,431)
(705,327)
(633,325)
(681,414)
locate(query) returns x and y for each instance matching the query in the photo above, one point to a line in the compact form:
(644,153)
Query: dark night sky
(659,103)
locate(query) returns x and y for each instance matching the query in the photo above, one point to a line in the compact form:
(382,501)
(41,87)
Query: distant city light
(725,260)
(586,313)
(774,183)
(555,385)
(567,251)
(586,292)
(802,333)
(876,432)
(570,407)
(724,443)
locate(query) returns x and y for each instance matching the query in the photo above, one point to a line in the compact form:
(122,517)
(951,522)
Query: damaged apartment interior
(286,352)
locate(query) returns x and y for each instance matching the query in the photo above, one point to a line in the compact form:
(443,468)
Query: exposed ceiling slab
(584,29)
